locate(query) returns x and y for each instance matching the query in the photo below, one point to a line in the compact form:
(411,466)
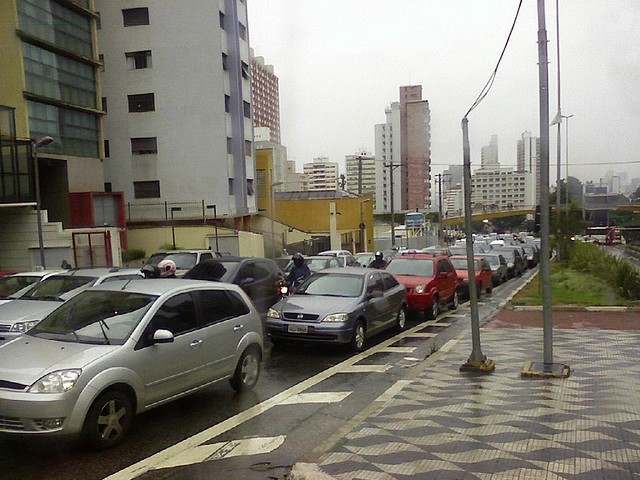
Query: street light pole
(46,140)
(363,227)
(215,225)
(173,229)
(566,146)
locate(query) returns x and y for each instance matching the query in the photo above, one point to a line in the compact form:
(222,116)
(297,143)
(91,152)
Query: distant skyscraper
(529,160)
(361,171)
(321,174)
(404,143)
(489,154)
(266,97)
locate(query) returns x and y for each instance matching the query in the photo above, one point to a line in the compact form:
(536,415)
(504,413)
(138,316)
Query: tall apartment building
(501,189)
(489,154)
(415,149)
(266,97)
(321,174)
(179,127)
(361,173)
(528,158)
(403,154)
(49,87)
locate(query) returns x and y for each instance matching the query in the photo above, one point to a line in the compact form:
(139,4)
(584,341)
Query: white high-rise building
(321,174)
(489,154)
(179,120)
(528,155)
(388,143)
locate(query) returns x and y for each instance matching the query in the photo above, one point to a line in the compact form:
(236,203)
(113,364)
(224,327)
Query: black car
(258,277)
(498,264)
(515,262)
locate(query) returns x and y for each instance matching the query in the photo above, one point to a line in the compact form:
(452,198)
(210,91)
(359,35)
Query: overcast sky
(340,63)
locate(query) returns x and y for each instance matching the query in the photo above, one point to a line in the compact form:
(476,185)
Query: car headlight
(336,317)
(56,382)
(273,313)
(24,326)
(419,288)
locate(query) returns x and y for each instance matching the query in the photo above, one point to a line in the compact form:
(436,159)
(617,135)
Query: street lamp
(363,227)
(566,146)
(215,225)
(173,229)
(272,208)
(46,140)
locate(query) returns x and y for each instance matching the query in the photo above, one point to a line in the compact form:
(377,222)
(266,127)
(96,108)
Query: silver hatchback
(123,348)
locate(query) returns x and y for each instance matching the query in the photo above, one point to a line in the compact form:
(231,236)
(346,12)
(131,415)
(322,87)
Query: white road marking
(422,335)
(219,451)
(316,397)
(447,346)
(398,350)
(164,456)
(366,369)
(439,324)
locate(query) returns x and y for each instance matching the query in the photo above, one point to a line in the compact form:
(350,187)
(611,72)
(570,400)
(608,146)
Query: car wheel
(455,301)
(434,309)
(359,337)
(489,289)
(247,371)
(401,319)
(108,420)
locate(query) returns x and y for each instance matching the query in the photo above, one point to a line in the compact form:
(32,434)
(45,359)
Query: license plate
(298,329)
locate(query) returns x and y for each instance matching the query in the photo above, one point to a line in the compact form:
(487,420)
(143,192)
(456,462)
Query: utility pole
(393,233)
(440,177)
(359,158)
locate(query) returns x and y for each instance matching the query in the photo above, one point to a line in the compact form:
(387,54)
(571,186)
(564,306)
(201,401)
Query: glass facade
(56,76)
(76,133)
(56,24)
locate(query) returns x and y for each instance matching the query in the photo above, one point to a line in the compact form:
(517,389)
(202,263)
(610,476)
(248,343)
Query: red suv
(430,280)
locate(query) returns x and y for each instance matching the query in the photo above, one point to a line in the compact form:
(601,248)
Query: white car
(16,285)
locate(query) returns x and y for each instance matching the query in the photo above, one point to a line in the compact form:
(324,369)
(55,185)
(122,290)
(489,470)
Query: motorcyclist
(299,272)
(378,261)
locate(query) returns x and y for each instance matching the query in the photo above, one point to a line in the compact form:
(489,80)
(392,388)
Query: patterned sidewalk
(449,425)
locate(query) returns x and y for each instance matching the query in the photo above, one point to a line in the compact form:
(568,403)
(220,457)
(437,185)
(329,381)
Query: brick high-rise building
(266,97)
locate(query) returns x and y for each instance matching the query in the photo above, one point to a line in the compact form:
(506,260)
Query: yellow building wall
(12,67)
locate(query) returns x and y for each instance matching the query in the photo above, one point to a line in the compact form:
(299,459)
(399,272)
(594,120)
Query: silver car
(20,314)
(123,348)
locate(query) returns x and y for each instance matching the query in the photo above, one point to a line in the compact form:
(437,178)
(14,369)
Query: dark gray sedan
(340,306)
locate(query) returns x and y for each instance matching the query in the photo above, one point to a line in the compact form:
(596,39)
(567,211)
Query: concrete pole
(336,244)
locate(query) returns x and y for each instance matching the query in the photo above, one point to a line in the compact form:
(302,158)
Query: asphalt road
(304,395)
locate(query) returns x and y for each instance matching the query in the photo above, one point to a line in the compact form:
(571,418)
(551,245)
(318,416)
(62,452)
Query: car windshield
(333,285)
(493,260)
(95,317)
(414,266)
(12,284)
(53,288)
(183,260)
(459,263)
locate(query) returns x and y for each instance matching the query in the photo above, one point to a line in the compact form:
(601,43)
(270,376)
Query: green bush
(133,254)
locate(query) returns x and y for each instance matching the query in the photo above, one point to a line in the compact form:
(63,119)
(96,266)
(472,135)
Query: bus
(609,235)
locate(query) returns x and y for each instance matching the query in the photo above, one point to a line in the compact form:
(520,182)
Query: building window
(229,145)
(98,21)
(101,60)
(135,16)
(247,109)
(245,71)
(231,186)
(225,66)
(104,104)
(247,148)
(149,189)
(222,20)
(250,190)
(107,150)
(242,31)
(144,146)
(143,102)
(227,103)
(108,187)
(138,60)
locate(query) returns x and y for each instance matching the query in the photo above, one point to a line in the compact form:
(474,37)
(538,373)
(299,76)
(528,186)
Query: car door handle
(195,343)
(237,328)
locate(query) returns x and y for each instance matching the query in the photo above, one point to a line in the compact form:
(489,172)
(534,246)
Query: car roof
(357,271)
(36,273)
(160,286)
(98,272)
(421,256)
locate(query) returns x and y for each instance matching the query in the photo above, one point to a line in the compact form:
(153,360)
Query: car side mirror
(162,336)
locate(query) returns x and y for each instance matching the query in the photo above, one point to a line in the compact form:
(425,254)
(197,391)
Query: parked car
(344,256)
(515,262)
(260,278)
(363,259)
(437,250)
(340,306)
(430,280)
(185,260)
(482,272)
(19,315)
(317,263)
(499,270)
(123,348)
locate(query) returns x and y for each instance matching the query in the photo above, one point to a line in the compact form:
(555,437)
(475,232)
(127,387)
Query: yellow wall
(12,68)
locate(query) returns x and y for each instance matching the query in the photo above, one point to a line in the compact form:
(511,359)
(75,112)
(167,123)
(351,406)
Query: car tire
(489,289)
(359,337)
(455,301)
(434,309)
(108,420)
(401,319)
(247,371)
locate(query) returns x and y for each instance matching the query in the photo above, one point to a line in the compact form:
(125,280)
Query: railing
(162,211)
